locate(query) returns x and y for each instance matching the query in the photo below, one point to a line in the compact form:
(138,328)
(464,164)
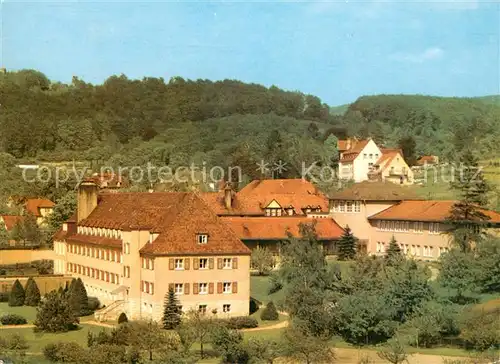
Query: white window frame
(226,308)
(179,288)
(205,288)
(202,239)
(357,206)
(203,266)
(227,287)
(179,264)
(227,263)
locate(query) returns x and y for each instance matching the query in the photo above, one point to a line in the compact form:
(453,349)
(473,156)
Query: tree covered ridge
(442,126)
(38,115)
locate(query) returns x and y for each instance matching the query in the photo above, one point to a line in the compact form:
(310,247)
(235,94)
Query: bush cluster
(13,319)
(239,322)
(269,313)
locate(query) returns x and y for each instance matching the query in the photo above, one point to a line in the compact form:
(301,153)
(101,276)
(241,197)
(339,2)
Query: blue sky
(335,50)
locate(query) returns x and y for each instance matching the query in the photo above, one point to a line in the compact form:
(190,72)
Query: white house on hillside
(362,160)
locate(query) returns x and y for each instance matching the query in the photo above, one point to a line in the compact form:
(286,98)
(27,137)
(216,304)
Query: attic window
(202,238)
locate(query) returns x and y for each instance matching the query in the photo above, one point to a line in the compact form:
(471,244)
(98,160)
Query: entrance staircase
(111,312)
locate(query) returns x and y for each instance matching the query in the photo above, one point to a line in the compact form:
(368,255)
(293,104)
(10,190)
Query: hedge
(13,319)
(239,322)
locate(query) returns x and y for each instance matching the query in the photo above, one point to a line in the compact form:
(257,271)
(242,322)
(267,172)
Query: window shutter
(195,288)
(186,288)
(171,286)
(219,263)
(235,263)
(211,263)
(186,263)
(235,287)
(171,264)
(219,287)
(196,263)
(211,288)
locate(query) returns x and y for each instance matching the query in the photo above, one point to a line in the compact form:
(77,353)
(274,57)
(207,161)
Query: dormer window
(201,238)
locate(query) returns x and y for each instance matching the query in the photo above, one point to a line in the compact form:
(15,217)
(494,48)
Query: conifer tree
(32,293)
(347,245)
(466,218)
(393,251)
(16,297)
(55,314)
(171,314)
(122,318)
(78,298)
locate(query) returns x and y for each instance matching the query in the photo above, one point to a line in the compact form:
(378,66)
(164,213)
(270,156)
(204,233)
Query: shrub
(4,296)
(239,322)
(32,293)
(16,297)
(13,319)
(65,352)
(3,272)
(94,303)
(228,344)
(78,298)
(269,313)
(55,314)
(122,318)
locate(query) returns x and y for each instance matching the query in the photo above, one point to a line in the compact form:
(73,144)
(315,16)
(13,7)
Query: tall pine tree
(347,245)
(32,293)
(171,314)
(78,299)
(17,295)
(466,218)
(393,251)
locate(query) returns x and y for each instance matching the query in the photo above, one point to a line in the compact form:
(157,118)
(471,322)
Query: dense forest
(179,122)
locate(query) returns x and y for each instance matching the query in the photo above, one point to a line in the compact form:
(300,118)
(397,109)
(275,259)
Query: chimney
(228,195)
(87,199)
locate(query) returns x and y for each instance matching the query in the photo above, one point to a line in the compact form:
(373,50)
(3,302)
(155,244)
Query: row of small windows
(147,287)
(108,233)
(289,211)
(204,288)
(415,250)
(406,226)
(94,273)
(98,253)
(370,156)
(347,206)
(202,263)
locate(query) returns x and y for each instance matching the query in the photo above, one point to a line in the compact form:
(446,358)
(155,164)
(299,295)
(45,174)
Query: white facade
(357,169)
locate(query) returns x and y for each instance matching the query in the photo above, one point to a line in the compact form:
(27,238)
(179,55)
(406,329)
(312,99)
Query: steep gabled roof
(33,205)
(375,191)
(177,217)
(275,228)
(254,197)
(427,210)
(352,153)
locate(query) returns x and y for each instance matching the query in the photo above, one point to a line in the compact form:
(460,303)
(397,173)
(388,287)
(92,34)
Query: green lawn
(29,313)
(256,315)
(37,341)
(259,289)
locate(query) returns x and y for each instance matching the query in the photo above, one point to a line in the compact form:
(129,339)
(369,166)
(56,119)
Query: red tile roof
(429,159)
(375,191)
(11,220)
(352,153)
(176,216)
(426,210)
(257,195)
(275,228)
(387,156)
(94,240)
(108,180)
(282,186)
(33,205)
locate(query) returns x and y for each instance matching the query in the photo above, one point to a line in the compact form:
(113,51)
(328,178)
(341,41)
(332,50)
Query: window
(202,238)
(179,264)
(273,212)
(203,288)
(434,228)
(179,288)
(143,262)
(202,309)
(268,212)
(226,308)
(227,287)
(126,271)
(357,206)
(203,263)
(364,155)
(228,263)
(126,248)
(376,155)
(341,206)
(418,226)
(349,206)
(371,156)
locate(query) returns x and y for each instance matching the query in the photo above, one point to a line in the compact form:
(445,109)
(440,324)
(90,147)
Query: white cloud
(428,54)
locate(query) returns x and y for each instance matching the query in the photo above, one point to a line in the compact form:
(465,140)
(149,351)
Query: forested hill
(39,116)
(440,125)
